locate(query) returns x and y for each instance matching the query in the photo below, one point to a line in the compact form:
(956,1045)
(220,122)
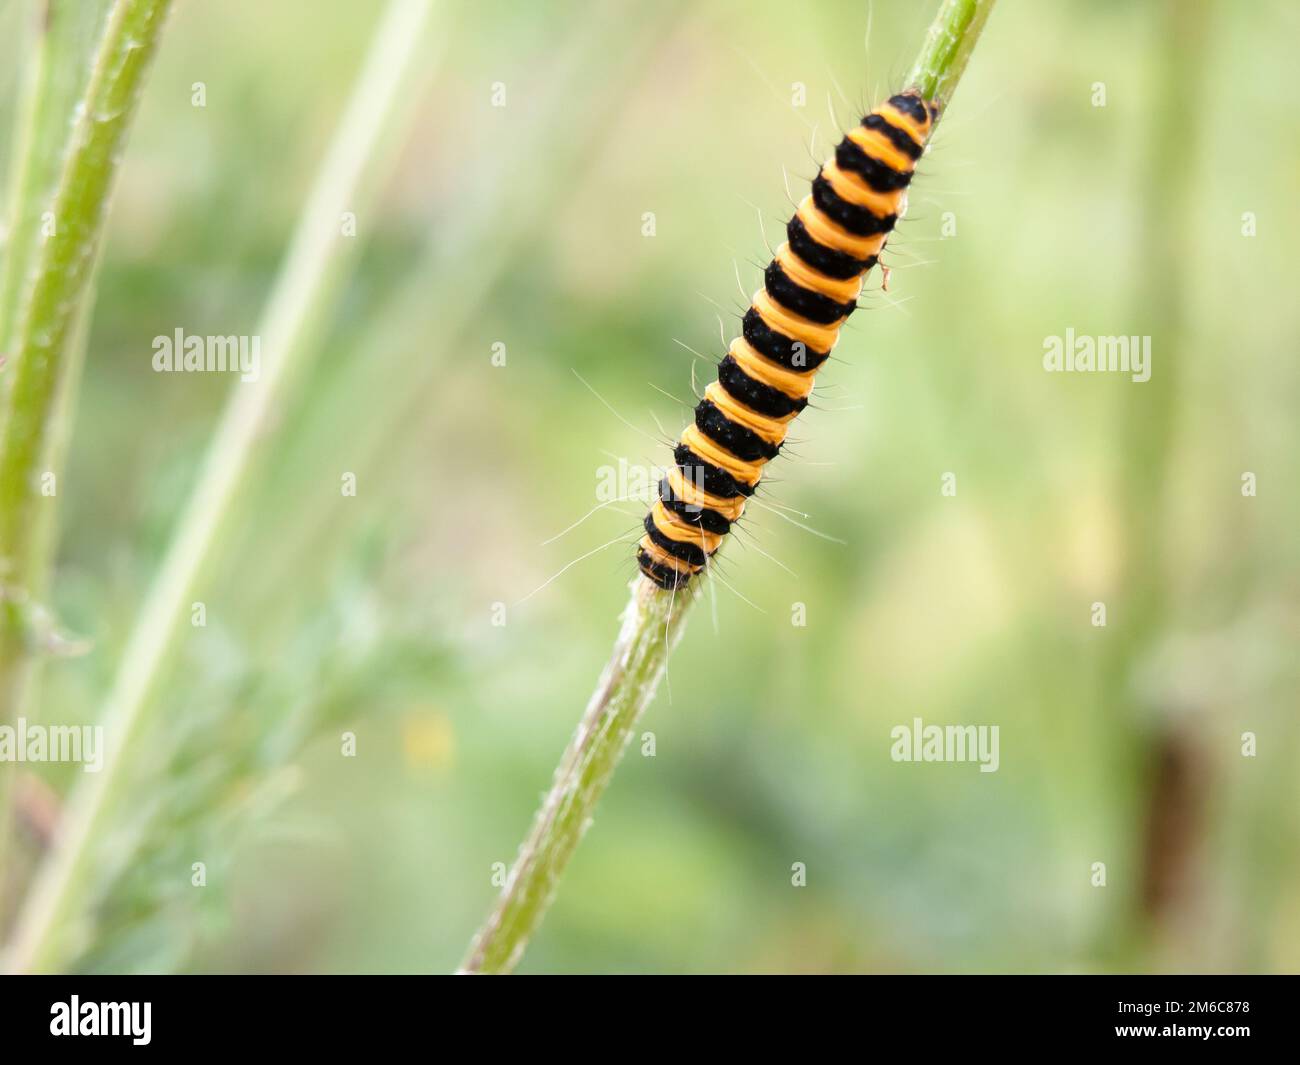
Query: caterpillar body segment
(809,290)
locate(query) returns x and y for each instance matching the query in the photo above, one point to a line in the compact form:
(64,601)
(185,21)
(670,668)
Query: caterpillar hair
(809,290)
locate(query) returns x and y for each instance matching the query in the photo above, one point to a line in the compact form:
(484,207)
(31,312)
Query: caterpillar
(809,289)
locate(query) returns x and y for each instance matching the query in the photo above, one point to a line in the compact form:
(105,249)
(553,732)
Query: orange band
(824,231)
(662,558)
(748,473)
(878,145)
(771,430)
(817,337)
(693,495)
(848,186)
(904,121)
(673,527)
(765,371)
(801,273)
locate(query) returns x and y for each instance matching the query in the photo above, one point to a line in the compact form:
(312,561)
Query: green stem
(68,32)
(26,190)
(652,624)
(311,276)
(65,41)
(62,36)
(948,47)
(60,271)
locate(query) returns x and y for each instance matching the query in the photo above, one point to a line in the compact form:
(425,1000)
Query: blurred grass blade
(313,272)
(467,258)
(652,625)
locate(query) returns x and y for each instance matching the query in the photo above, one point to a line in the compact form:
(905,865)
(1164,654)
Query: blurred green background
(523,225)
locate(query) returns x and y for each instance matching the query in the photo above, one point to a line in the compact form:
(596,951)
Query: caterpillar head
(920,112)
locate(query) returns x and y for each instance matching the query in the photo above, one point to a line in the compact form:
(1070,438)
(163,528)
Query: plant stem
(948,47)
(652,625)
(65,38)
(60,56)
(308,281)
(26,191)
(74,71)
(60,273)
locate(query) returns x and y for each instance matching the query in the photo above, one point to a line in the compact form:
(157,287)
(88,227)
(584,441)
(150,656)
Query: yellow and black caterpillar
(809,290)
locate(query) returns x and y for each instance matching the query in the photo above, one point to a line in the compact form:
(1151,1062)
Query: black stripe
(878,175)
(683,549)
(829,261)
(792,354)
(705,517)
(740,440)
(754,394)
(665,576)
(911,105)
(853,217)
(713,479)
(898,137)
(804,301)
